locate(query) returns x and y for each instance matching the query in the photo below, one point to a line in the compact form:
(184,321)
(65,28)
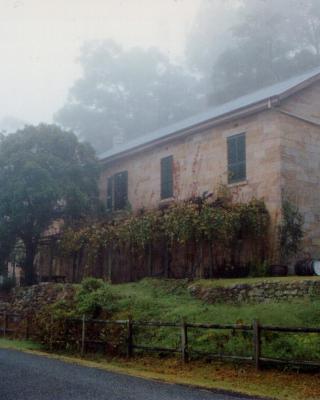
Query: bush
(290,231)
(259,270)
(91,284)
(95,297)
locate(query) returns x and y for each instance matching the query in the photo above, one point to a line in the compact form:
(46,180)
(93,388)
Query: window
(110,194)
(236,158)
(117,191)
(166,177)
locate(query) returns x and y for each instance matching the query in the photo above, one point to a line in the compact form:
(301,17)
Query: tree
(210,35)
(45,175)
(126,92)
(270,42)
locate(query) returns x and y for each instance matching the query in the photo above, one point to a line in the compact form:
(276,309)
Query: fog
(105,68)
(40,41)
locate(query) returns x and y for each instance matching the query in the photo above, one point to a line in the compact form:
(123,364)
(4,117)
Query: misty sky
(40,41)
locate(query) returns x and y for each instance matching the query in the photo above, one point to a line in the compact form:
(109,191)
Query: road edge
(150,376)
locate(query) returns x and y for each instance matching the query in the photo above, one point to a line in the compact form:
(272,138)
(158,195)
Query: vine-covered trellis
(195,238)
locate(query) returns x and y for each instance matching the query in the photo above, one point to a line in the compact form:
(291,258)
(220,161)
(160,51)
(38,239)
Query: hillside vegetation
(170,300)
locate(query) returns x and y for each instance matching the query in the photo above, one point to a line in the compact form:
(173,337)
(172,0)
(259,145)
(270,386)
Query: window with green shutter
(236,158)
(110,193)
(120,190)
(166,177)
(117,191)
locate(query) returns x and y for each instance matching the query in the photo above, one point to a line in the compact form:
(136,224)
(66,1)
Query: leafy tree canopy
(126,92)
(46,174)
(267,41)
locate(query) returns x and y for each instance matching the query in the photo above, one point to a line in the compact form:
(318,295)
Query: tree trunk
(167,258)
(211,272)
(149,254)
(110,254)
(74,266)
(201,259)
(29,272)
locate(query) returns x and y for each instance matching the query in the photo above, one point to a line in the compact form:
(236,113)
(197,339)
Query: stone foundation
(262,292)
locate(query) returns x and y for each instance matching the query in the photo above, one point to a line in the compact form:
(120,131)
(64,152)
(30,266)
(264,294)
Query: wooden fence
(10,324)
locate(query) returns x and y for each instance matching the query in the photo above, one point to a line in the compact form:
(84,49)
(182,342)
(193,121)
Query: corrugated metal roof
(215,112)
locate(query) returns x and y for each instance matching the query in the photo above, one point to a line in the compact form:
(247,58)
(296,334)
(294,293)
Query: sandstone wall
(262,292)
(300,161)
(200,164)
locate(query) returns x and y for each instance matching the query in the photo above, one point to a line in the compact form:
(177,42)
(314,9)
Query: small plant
(290,231)
(259,270)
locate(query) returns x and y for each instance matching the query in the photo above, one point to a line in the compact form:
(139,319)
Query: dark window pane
(241,148)
(236,158)
(232,150)
(110,193)
(166,177)
(120,190)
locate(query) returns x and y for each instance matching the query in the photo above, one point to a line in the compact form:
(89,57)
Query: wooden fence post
(51,333)
(149,250)
(83,335)
(28,327)
(129,337)
(256,343)
(184,341)
(5,323)
(65,332)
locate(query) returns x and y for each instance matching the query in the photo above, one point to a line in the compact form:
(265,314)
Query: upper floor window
(236,158)
(166,177)
(117,191)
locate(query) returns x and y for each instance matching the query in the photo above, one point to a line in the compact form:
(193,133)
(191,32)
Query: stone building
(264,145)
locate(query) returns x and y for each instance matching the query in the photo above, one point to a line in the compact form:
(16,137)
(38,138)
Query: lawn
(19,344)
(170,300)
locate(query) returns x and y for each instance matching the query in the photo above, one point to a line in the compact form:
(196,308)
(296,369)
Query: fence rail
(184,349)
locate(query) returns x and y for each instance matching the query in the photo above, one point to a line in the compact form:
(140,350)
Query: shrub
(95,297)
(290,230)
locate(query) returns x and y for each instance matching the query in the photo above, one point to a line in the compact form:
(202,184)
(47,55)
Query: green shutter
(166,177)
(120,190)
(236,158)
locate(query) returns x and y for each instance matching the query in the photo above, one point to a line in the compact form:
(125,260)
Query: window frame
(117,191)
(240,161)
(166,177)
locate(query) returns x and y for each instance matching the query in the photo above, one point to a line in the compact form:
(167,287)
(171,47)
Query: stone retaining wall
(30,300)
(262,292)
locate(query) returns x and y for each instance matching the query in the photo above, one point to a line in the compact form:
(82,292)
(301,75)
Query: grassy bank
(20,345)
(242,379)
(170,300)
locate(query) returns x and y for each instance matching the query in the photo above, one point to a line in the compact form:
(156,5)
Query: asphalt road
(26,376)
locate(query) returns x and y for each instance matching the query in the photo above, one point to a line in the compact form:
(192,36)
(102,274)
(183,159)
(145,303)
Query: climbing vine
(221,224)
(290,230)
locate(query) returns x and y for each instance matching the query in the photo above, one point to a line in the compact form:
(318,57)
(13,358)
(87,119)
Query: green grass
(19,344)
(170,300)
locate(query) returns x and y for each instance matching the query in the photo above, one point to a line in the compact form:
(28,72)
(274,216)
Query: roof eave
(303,85)
(204,125)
